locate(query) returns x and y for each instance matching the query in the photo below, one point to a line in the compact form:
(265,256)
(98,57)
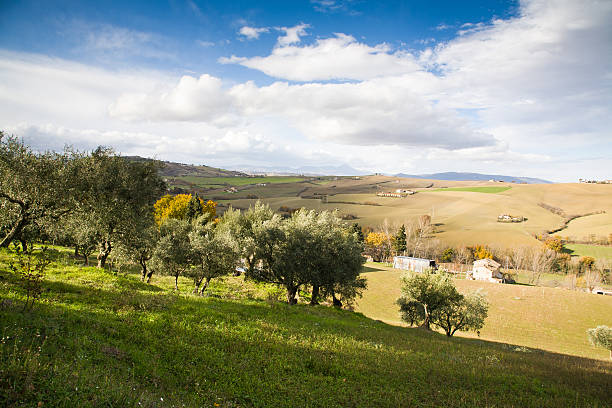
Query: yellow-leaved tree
(183,207)
(378,245)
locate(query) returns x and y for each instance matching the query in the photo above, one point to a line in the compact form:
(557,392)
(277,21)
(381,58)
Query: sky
(521,88)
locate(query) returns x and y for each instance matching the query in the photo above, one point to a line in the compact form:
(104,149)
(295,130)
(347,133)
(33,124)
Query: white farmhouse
(487,270)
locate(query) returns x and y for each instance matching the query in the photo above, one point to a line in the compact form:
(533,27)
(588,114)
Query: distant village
(595,181)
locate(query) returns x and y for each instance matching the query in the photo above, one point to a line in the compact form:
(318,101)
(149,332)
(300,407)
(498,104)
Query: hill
(172,169)
(552,319)
(101,338)
(475,177)
(463,212)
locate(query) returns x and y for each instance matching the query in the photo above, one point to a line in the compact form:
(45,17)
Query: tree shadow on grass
(279,355)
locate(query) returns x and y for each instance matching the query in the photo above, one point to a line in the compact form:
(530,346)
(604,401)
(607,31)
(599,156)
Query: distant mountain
(453,176)
(341,170)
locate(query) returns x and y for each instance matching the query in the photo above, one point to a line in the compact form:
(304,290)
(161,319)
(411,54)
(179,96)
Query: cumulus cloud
(339,57)
(199,99)
(529,93)
(292,34)
(368,113)
(252,33)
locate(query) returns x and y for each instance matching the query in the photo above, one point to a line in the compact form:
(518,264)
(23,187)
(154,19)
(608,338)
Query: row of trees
(87,200)
(102,202)
(308,249)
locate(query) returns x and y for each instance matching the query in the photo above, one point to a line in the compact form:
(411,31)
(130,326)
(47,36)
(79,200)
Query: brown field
(461,217)
(551,319)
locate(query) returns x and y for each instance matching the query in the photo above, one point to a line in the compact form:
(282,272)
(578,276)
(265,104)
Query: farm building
(487,270)
(413,264)
(509,218)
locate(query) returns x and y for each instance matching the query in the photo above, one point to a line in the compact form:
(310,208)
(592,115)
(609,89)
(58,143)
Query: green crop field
(551,319)
(212,182)
(488,190)
(102,338)
(596,251)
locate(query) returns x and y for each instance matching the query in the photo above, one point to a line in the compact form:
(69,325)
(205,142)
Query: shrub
(601,336)
(31,271)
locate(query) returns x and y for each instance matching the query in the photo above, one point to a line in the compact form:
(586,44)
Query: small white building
(409,263)
(487,270)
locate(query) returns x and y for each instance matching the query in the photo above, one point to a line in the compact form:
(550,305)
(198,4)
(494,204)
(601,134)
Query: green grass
(103,339)
(217,182)
(488,190)
(596,251)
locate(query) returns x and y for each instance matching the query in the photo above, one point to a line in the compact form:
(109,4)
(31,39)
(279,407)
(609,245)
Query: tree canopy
(431,298)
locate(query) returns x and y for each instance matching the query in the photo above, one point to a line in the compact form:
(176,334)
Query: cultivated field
(465,213)
(550,319)
(586,228)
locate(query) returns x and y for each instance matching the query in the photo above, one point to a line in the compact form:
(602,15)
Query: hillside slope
(104,339)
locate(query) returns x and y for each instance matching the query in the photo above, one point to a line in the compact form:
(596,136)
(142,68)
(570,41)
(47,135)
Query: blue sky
(521,88)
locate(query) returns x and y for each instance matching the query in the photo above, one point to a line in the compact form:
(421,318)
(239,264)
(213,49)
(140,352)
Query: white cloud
(205,44)
(110,40)
(370,113)
(292,34)
(252,33)
(529,95)
(339,57)
(334,6)
(192,99)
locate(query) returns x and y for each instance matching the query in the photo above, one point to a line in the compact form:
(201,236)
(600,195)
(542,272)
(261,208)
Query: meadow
(552,319)
(102,338)
(595,251)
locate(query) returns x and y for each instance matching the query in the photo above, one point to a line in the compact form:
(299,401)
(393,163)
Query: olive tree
(431,298)
(137,243)
(214,254)
(336,261)
(465,314)
(35,187)
(283,248)
(119,192)
(245,227)
(172,254)
(424,295)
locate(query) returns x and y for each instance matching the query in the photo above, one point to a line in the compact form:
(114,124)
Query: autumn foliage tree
(183,207)
(378,245)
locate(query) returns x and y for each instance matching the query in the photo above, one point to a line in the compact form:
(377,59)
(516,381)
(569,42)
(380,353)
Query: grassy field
(596,251)
(488,190)
(211,182)
(99,338)
(551,319)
